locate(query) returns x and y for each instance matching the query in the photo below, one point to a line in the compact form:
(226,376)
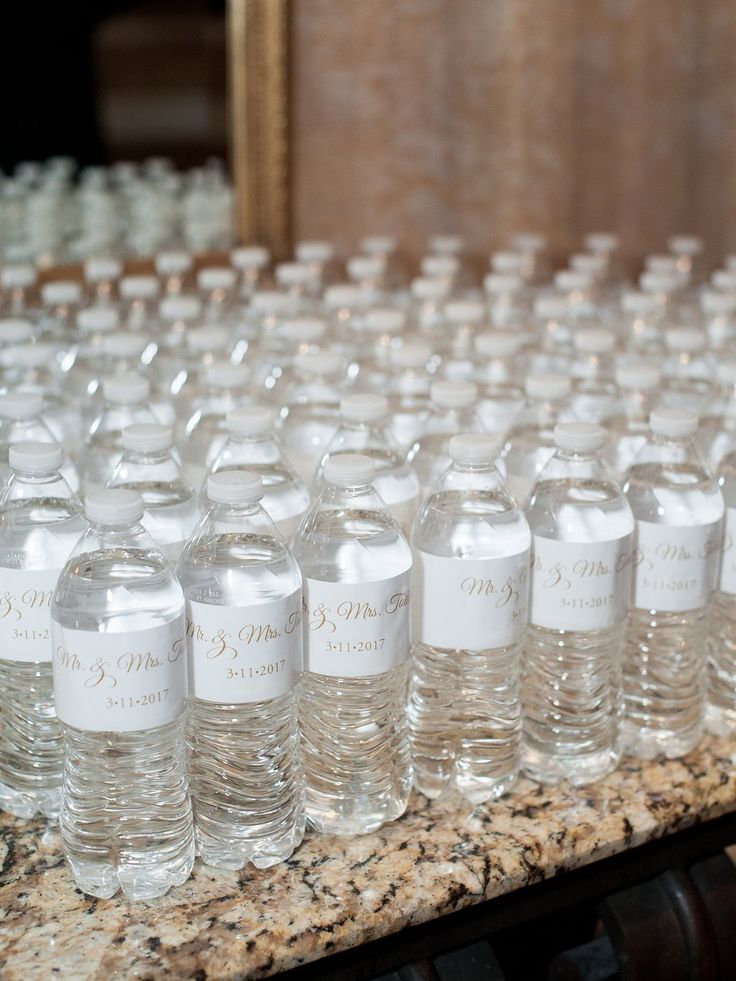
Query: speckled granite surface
(336,893)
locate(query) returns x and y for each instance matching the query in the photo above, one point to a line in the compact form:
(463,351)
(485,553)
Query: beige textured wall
(488,117)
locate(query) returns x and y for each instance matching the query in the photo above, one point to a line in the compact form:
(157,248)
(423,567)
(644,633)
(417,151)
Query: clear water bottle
(40,523)
(452,411)
(720,713)
(355,565)
(244,634)
(642,324)
(717,428)
(470,583)
(689,371)
(171,505)
(678,508)
(139,302)
(592,369)
(125,404)
(312,413)
(582,540)
(408,390)
(21,421)
(628,423)
(120,682)
(253,445)
(364,430)
(498,374)
(530,442)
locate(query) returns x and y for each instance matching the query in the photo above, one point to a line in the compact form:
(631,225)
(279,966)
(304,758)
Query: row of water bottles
(615,585)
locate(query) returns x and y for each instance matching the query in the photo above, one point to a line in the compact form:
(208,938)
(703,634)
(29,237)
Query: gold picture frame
(258,46)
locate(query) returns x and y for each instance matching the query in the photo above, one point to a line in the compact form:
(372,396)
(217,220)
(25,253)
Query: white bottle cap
(33,457)
(345,295)
(429,289)
(98,319)
(116,506)
(303,330)
(473,448)
(601,242)
(440,265)
(138,287)
(571,281)
(498,283)
(413,354)
(250,257)
(272,302)
(594,340)
(27,356)
(314,251)
(454,394)
(318,362)
(21,405)
(715,304)
(147,437)
(234,487)
(294,274)
(724,280)
(727,372)
(464,311)
(498,343)
(365,266)
(660,282)
(385,320)
(662,264)
(124,344)
(60,293)
(13,330)
(97,270)
(639,304)
(227,375)
(508,262)
(687,339)
(446,244)
(367,407)
(685,244)
(210,338)
(250,420)
(378,245)
(172,263)
(127,389)
(551,307)
(17,276)
(673,422)
(591,265)
(216,278)
(579,437)
(180,308)
(638,377)
(529,242)
(349,470)
(550,385)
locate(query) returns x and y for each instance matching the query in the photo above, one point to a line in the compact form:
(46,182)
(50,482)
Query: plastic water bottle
(470,584)
(244,635)
(628,423)
(21,421)
(120,681)
(253,445)
(717,430)
(678,509)
(689,371)
(364,430)
(312,413)
(530,442)
(40,523)
(125,403)
(720,713)
(592,369)
(498,375)
(355,565)
(452,411)
(148,466)
(582,540)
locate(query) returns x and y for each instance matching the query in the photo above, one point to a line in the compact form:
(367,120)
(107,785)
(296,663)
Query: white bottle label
(244,653)
(728,564)
(469,604)
(581,586)
(126,682)
(25,614)
(354,630)
(676,565)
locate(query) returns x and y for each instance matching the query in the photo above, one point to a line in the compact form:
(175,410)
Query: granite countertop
(337,893)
